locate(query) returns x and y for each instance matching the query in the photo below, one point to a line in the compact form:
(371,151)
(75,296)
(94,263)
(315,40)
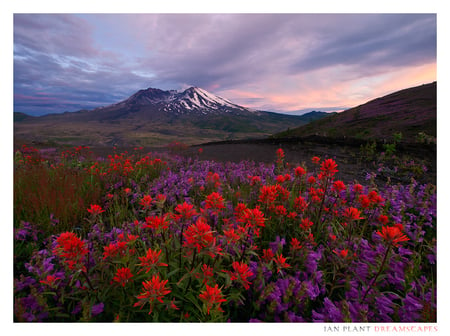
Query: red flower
(207,272)
(151,260)
(268,195)
(156,222)
(339,186)
(352,213)
(295,244)
(95,209)
(72,249)
(252,217)
(383,219)
(342,253)
(199,235)
(300,204)
(122,276)
(328,168)
(146,202)
(161,199)
(241,273)
(280,156)
(213,179)
(280,261)
(173,305)
(231,235)
(131,238)
(50,280)
(315,159)
(311,179)
(399,225)
(184,211)
(254,179)
(280,153)
(392,235)
(357,188)
(299,171)
(306,224)
(283,192)
(364,201)
(267,255)
(280,210)
(239,209)
(292,214)
(154,289)
(212,296)
(375,198)
(114,249)
(215,202)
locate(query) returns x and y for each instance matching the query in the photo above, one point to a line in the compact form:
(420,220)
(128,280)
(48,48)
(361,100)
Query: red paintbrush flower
(154,290)
(122,276)
(212,296)
(95,209)
(392,235)
(328,168)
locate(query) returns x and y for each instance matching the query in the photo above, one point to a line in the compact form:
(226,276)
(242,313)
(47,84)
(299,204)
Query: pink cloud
(324,89)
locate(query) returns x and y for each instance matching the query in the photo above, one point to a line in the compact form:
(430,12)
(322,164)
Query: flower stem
(378,273)
(90,284)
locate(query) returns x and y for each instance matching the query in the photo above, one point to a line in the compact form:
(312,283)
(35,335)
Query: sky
(274,62)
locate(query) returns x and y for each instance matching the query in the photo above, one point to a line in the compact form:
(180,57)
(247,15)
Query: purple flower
(24,282)
(384,306)
(97,309)
(312,259)
(411,309)
(358,311)
(311,289)
(294,318)
(20,234)
(76,309)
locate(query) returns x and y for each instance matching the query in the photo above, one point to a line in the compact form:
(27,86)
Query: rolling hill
(410,111)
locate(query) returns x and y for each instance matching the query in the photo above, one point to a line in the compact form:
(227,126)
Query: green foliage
(389,148)
(368,151)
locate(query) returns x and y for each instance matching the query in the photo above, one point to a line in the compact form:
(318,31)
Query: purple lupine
(384,306)
(411,308)
(277,245)
(97,309)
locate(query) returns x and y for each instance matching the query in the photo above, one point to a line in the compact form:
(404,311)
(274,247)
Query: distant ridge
(410,111)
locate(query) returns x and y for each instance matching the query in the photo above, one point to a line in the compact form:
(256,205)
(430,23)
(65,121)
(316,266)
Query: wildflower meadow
(159,237)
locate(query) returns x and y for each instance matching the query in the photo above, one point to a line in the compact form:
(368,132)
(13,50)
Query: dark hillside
(411,111)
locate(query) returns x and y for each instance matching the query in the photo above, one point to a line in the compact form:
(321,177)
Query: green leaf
(49,293)
(193,300)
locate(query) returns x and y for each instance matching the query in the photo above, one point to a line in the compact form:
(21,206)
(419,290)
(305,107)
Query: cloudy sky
(274,62)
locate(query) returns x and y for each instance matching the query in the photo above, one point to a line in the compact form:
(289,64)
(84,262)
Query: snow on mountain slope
(191,100)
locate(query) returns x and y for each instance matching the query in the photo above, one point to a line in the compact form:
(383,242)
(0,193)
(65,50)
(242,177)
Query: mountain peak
(193,99)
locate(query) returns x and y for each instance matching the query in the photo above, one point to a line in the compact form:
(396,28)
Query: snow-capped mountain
(153,116)
(190,101)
